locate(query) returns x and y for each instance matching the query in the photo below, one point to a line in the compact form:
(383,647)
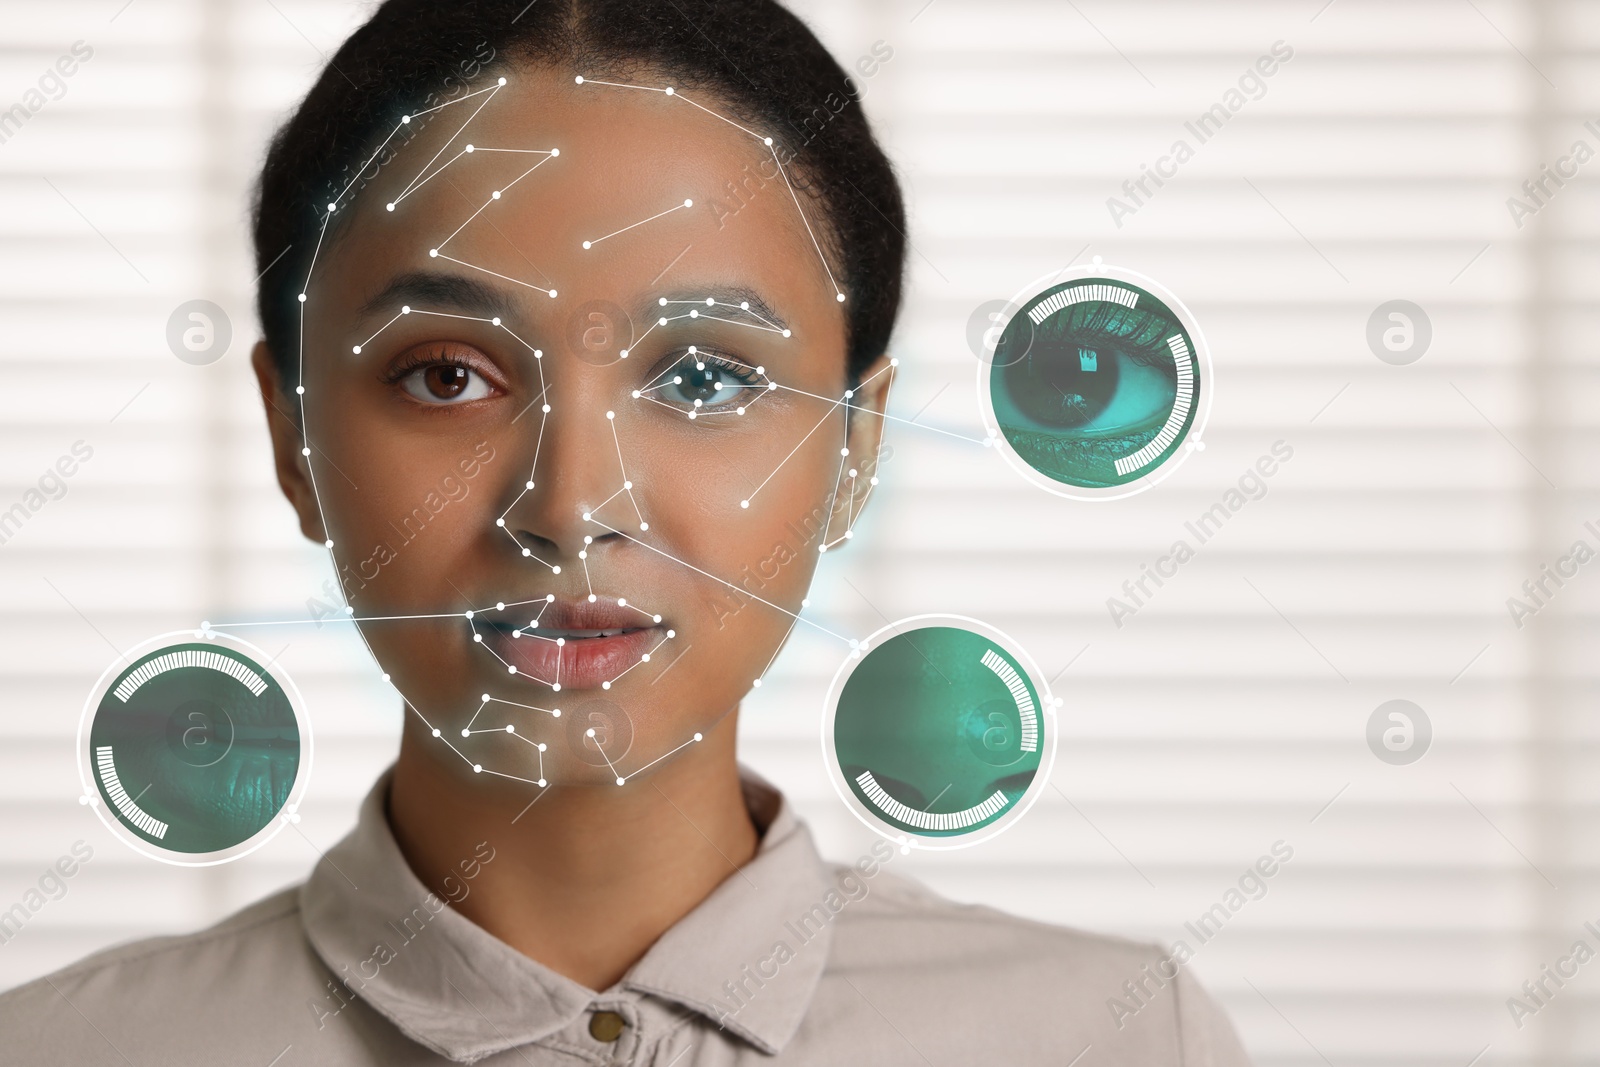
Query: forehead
(510,183)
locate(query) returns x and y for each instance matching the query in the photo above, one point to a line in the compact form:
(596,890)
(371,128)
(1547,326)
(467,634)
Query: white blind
(1222,718)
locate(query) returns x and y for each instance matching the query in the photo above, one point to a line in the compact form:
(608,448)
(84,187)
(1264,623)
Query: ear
(294,473)
(864,439)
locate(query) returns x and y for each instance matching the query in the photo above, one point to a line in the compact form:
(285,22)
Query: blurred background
(1384,160)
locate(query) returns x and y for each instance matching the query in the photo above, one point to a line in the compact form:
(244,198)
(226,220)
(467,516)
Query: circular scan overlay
(939,734)
(194,749)
(1098,385)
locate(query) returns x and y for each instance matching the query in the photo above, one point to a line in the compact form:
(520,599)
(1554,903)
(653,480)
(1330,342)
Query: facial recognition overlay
(1098,384)
(194,750)
(938,732)
(563,663)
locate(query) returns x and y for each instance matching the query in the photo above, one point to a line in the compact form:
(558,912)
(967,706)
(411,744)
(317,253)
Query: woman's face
(631,536)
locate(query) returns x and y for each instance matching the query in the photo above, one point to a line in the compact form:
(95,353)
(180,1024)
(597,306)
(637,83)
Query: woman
(576,317)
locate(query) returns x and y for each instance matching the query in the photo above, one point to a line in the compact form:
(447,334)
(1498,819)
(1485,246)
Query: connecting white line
(642,659)
(745,503)
(678,207)
(414,183)
(497,274)
(500,192)
(623,778)
(730,585)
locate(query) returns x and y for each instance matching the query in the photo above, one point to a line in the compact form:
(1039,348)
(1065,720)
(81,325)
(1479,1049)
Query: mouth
(575,644)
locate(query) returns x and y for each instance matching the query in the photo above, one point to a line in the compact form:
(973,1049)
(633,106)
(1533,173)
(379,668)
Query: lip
(577,645)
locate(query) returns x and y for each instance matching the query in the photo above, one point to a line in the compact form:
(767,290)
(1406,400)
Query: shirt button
(606,1026)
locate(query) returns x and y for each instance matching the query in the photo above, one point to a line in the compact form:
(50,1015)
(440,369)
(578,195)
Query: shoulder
(912,944)
(146,985)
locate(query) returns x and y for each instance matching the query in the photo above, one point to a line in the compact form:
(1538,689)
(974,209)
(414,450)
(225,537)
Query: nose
(581,486)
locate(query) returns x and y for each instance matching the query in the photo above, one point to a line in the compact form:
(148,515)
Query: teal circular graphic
(939,733)
(1098,383)
(193,750)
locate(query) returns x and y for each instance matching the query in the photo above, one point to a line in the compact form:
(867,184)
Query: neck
(586,878)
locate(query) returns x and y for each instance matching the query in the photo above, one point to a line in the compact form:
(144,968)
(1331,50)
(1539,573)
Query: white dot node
(542,746)
(83,798)
(592,598)
(657,618)
(333,207)
(854,644)
(550,598)
(527,552)
(788,333)
(694,313)
(302,298)
(436,731)
(555,570)
(499,522)
(670,90)
(623,354)
(711,301)
(849,534)
(556,688)
(389,207)
(511,670)
(672,633)
(434,252)
(756,683)
(627,485)
(738,411)
(691,415)
(405,309)
(386,677)
(560,641)
(844,451)
(469,148)
(552,294)
(588,540)
(605,685)
(355,349)
(644,526)
(477,768)
(477,638)
(662,302)
(697,402)
(546,409)
(541,781)
(305,451)
(405,118)
(771,386)
(580,79)
(468,613)
(556,714)
(500,605)
(767,141)
(841,298)
(761,370)
(328,544)
(486,698)
(587,516)
(502,81)
(529,485)
(744,503)
(849,394)
(697,737)
(688,203)
(589,732)
(300,390)
(822,548)
(466,733)
(588,245)
(874,480)
(555,152)
(805,602)
(348,610)
(645,658)
(619,781)
(495,321)
(510,729)
(611,414)
(661,322)
(852,472)
(1199,446)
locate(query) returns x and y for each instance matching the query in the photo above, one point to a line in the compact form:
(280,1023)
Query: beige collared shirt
(791,962)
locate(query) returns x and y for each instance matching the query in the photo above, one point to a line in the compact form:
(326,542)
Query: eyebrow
(432,290)
(728,298)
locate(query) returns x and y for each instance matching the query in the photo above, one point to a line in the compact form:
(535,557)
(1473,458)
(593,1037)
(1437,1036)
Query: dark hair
(753,56)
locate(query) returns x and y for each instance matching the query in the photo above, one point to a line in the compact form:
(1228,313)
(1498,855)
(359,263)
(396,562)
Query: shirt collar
(453,987)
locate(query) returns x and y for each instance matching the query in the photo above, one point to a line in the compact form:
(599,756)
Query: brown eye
(446,383)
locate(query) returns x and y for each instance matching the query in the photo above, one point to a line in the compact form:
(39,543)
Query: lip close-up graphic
(574,644)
